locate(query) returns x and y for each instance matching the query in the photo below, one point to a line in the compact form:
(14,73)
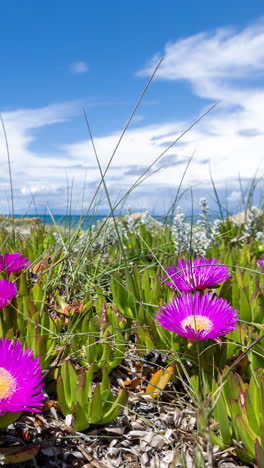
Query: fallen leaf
(133,383)
(19,454)
(160,380)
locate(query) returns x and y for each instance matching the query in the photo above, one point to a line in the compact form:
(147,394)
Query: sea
(75,221)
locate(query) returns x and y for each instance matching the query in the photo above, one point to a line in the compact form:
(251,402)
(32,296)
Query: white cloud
(79,67)
(39,188)
(226,66)
(234,196)
(211,61)
(31,173)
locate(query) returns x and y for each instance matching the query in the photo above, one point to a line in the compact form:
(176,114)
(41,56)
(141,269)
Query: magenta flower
(198,317)
(8,291)
(13,262)
(201,273)
(21,380)
(261,263)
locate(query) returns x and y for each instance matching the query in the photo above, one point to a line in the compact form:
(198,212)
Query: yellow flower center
(198,322)
(7,384)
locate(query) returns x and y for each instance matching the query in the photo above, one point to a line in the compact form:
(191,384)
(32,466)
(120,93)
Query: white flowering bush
(195,239)
(107,233)
(254,224)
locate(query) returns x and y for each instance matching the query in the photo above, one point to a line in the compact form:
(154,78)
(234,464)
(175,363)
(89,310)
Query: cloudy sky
(63,60)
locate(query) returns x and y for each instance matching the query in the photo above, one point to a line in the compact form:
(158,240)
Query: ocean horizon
(85,222)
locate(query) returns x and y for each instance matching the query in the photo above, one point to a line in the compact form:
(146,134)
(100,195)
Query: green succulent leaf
(117,407)
(8,418)
(221,416)
(67,387)
(246,435)
(96,408)
(81,419)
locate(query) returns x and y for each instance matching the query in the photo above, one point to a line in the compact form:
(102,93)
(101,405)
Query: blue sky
(58,58)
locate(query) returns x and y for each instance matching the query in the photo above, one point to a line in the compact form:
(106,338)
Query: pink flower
(13,262)
(198,317)
(21,380)
(8,291)
(201,273)
(261,263)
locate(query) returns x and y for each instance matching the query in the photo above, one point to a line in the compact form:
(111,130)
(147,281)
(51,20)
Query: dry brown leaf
(160,380)
(133,383)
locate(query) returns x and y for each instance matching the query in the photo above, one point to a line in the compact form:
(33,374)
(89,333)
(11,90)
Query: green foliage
(239,411)
(87,301)
(8,418)
(88,406)
(95,336)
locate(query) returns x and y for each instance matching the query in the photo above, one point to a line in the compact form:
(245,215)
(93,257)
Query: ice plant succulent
(199,274)
(21,379)
(8,291)
(198,316)
(12,262)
